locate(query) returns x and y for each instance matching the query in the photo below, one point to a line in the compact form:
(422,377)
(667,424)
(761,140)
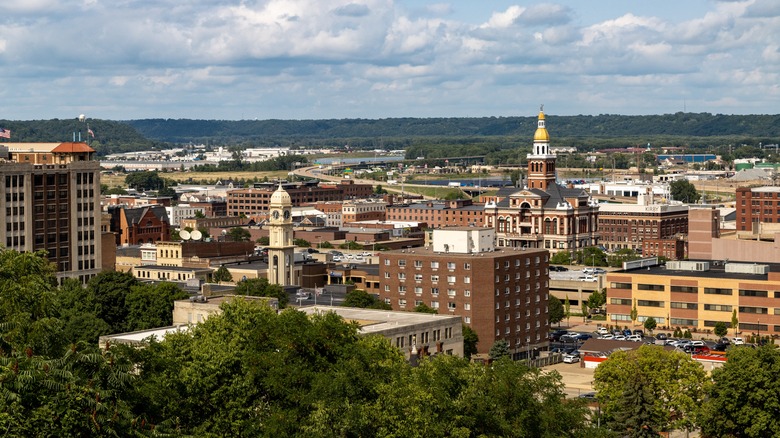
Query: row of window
(434,278)
(694,289)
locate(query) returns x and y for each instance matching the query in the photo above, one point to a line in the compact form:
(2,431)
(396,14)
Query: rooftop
(716,269)
(375,321)
(502,252)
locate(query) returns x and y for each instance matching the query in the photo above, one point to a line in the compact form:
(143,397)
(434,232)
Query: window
(450,279)
(620,285)
(685,289)
(717,307)
(467,319)
(467,306)
(653,287)
(401,262)
(467,266)
(649,303)
(402,302)
(684,322)
(434,278)
(418,263)
(467,293)
(758,310)
(435,291)
(620,301)
(434,265)
(689,306)
(467,279)
(387,274)
(401,276)
(451,306)
(434,304)
(451,292)
(417,277)
(402,289)
(418,290)
(753,293)
(451,266)
(717,291)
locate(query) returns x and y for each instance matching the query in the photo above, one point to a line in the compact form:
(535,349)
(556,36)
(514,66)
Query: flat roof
(374,321)
(766,189)
(715,271)
(143,335)
(498,252)
(172,268)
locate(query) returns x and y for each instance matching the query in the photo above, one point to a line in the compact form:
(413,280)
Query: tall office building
(52,203)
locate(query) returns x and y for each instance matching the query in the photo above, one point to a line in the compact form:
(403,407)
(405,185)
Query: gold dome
(541,133)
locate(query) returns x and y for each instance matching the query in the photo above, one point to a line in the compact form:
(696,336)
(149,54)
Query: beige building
(698,294)
(431,334)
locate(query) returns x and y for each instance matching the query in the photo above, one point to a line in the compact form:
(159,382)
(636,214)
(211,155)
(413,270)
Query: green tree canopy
(222,274)
(555,310)
(499,349)
(144,180)
(260,287)
(650,324)
(683,190)
(364,300)
(238,234)
(470,341)
(721,329)
(743,400)
(561,258)
(424,308)
(676,382)
(151,305)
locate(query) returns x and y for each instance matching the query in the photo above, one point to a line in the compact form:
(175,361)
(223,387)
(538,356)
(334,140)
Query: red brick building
(673,249)
(134,226)
(254,201)
(624,226)
(501,294)
(437,214)
(757,205)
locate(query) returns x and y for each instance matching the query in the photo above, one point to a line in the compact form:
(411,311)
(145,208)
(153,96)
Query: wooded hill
(584,132)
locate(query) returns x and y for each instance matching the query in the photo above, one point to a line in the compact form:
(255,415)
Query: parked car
(737,341)
(619,338)
(588,278)
(639,332)
(584,336)
(556,335)
(602,330)
(697,343)
(588,395)
(634,338)
(607,336)
(569,337)
(554,268)
(720,346)
(661,336)
(570,358)
(627,333)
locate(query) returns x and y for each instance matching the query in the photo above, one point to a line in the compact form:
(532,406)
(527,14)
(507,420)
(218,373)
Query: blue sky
(314,59)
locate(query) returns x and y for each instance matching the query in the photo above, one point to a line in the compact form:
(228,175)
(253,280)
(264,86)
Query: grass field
(197,177)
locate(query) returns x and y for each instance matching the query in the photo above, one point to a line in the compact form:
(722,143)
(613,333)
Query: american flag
(91,132)
(5,133)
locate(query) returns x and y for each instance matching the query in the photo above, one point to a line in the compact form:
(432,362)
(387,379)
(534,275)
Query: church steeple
(541,163)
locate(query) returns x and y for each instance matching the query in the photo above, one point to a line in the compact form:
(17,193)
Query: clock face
(275,214)
(287,214)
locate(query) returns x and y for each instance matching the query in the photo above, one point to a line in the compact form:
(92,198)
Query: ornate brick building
(543,214)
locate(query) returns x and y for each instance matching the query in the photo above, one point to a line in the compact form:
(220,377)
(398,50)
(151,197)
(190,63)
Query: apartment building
(756,205)
(698,294)
(52,203)
(501,293)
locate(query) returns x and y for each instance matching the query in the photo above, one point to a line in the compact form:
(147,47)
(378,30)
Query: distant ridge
(679,124)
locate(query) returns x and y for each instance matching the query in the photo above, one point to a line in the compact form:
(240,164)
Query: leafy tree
(567,309)
(222,274)
(260,287)
(145,180)
(721,329)
(364,300)
(636,415)
(584,308)
(734,321)
(677,384)
(555,310)
(265,240)
(683,190)
(326,245)
(500,349)
(592,256)
(423,308)
(650,324)
(150,306)
(105,296)
(351,245)
(561,258)
(634,314)
(379,190)
(470,341)
(597,299)
(239,234)
(199,214)
(302,243)
(743,400)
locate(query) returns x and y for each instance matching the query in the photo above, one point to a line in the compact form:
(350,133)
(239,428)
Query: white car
(737,341)
(619,338)
(635,338)
(607,336)
(570,358)
(602,330)
(697,343)
(588,278)
(337,258)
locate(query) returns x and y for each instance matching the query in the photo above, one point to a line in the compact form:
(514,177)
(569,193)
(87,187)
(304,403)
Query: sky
(325,59)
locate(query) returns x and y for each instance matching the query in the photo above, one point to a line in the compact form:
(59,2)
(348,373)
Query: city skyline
(213,59)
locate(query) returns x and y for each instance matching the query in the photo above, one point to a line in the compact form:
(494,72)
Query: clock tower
(281,250)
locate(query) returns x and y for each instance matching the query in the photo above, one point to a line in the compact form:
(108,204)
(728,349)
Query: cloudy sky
(317,59)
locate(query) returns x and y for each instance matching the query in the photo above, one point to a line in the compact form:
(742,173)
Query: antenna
(196,235)
(185,235)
